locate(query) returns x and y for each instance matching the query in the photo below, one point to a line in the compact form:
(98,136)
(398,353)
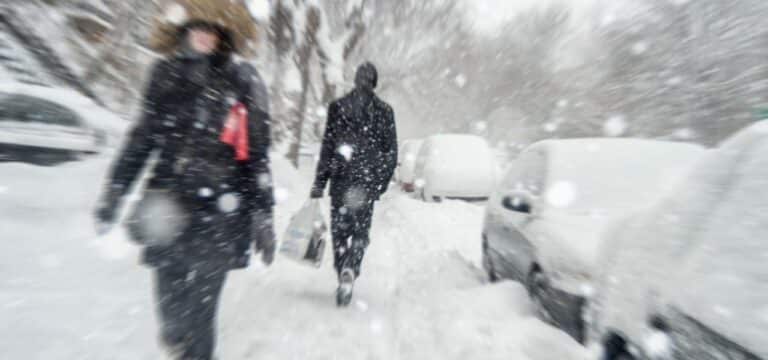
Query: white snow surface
(67,294)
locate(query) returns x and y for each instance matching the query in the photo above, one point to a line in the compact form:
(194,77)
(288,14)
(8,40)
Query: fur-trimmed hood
(231,16)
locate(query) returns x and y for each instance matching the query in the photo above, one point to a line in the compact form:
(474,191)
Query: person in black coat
(222,206)
(358,158)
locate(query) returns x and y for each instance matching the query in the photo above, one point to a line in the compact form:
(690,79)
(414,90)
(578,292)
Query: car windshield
(29,109)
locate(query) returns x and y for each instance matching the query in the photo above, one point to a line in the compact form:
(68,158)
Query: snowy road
(65,294)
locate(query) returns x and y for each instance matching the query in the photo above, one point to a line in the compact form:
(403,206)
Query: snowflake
(345,151)
(639,48)
(460,80)
(561,195)
(615,126)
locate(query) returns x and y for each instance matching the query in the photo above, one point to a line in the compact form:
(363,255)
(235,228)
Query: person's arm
(139,145)
(258,184)
(389,153)
(325,165)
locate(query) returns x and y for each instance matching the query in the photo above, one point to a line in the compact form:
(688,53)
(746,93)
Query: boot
(346,285)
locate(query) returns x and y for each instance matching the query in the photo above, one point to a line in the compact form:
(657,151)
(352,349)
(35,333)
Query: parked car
(687,279)
(455,167)
(48,125)
(544,222)
(409,150)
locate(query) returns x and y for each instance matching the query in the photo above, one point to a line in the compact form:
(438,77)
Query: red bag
(235,132)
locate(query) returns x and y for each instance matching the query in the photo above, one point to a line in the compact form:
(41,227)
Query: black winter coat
(183,113)
(359,149)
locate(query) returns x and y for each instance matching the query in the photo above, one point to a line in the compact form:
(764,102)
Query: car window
(527,173)
(29,109)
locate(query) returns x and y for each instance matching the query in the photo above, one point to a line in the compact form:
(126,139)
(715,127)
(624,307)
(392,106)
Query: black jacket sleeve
(326,165)
(258,173)
(389,152)
(140,143)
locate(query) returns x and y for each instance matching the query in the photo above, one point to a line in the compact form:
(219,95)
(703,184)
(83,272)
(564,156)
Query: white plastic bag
(305,238)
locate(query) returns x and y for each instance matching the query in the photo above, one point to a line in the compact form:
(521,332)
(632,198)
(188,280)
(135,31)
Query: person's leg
(341,231)
(360,236)
(171,293)
(203,301)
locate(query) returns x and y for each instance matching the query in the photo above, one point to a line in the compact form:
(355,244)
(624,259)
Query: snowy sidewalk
(66,295)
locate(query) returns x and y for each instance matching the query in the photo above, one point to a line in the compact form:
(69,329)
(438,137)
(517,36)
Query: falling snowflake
(658,345)
(460,80)
(481,126)
(551,126)
(175,14)
(674,81)
(639,48)
(228,202)
(685,134)
(562,103)
(615,126)
(205,192)
(419,183)
(561,194)
(259,9)
(282,195)
(345,151)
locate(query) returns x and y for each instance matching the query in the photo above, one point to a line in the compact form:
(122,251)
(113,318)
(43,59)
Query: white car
(46,125)
(544,223)
(406,164)
(688,279)
(455,167)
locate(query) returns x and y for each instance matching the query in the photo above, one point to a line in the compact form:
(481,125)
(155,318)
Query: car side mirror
(517,203)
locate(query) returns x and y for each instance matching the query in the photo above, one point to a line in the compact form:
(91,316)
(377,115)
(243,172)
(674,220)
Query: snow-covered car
(40,124)
(455,167)
(544,223)
(409,150)
(687,279)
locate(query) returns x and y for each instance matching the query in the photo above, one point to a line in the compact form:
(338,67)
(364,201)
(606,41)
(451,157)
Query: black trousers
(350,228)
(187,300)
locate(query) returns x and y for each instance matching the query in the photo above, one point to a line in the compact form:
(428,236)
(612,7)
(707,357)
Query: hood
(231,16)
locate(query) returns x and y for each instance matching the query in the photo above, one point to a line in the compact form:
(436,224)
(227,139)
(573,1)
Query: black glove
(264,241)
(316,193)
(105,218)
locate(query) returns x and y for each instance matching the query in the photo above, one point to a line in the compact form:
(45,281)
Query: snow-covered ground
(67,294)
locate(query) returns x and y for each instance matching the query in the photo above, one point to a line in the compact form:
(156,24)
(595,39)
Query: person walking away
(219,188)
(358,158)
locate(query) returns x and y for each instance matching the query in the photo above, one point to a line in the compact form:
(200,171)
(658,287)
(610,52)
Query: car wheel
(488,261)
(537,286)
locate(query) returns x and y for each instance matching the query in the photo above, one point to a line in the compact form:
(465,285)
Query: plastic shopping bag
(305,238)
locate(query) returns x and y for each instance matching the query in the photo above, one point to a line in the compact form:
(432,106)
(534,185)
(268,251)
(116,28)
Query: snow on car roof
(609,173)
